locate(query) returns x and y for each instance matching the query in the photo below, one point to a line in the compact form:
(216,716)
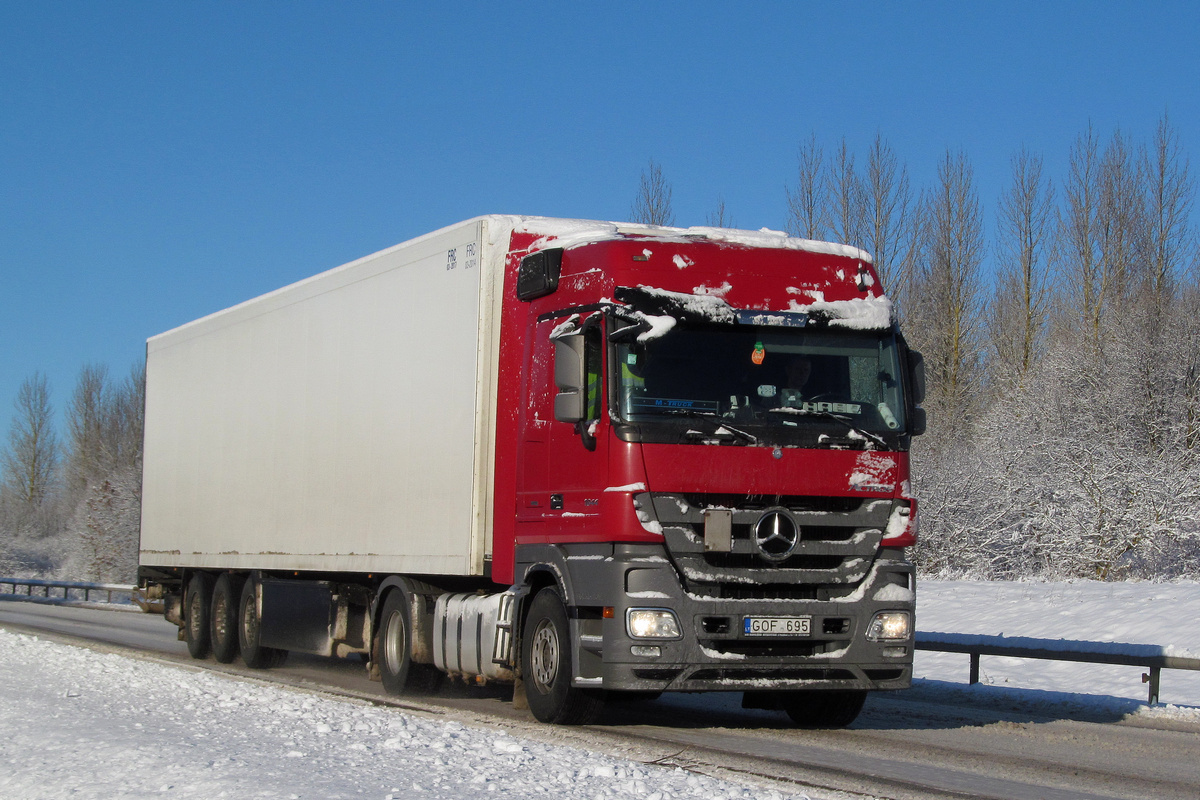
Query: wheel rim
(393,642)
(250,623)
(195,612)
(544,656)
(220,623)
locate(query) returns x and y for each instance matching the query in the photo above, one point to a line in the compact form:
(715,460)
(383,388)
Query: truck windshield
(763,384)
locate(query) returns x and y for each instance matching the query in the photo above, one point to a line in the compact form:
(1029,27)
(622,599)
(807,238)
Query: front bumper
(713,652)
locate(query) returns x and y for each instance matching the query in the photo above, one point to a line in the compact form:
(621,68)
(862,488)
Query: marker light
(652,623)
(890,625)
(902,526)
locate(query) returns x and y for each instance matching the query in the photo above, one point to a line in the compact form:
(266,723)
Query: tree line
(72,507)
(1064,403)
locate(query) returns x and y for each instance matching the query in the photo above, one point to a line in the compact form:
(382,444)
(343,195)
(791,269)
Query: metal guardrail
(1151,656)
(71,593)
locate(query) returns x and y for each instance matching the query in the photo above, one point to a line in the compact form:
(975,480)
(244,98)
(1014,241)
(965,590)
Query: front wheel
(546,666)
(828,709)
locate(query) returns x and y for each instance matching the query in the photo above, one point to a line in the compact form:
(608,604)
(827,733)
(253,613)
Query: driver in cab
(798,370)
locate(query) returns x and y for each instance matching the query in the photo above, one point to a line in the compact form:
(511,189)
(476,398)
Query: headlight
(652,623)
(889,625)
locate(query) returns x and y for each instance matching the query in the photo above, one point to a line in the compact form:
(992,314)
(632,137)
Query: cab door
(533,491)
(577,452)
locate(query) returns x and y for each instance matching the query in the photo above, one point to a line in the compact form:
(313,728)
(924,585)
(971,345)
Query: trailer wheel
(199,601)
(226,598)
(828,709)
(398,672)
(546,666)
(254,653)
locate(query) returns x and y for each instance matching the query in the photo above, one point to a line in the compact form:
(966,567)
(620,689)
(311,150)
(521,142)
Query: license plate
(777,626)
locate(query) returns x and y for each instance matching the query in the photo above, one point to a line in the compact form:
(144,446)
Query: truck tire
(546,667)
(398,672)
(196,627)
(223,631)
(254,653)
(828,709)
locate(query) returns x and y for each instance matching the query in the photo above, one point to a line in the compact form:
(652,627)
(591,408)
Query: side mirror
(916,424)
(569,377)
(916,371)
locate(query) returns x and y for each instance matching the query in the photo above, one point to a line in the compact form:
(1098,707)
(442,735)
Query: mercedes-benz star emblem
(776,535)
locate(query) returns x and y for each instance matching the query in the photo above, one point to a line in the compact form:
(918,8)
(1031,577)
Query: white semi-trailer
(342,424)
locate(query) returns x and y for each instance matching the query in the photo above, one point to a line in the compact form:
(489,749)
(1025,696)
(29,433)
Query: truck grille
(836,542)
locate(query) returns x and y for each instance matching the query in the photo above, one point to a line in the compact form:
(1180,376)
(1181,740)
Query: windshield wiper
(804,412)
(708,415)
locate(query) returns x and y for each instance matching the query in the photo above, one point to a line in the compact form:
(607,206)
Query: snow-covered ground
(1164,614)
(79,723)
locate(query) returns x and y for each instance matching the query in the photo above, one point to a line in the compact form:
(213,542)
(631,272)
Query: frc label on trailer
(777,626)
(470,257)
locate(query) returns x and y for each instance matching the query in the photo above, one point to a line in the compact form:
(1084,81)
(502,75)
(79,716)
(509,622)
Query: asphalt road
(904,745)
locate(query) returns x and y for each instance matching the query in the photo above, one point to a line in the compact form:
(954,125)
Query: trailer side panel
(331,425)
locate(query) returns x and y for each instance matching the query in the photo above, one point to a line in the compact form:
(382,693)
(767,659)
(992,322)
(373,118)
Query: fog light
(652,623)
(895,652)
(648,650)
(890,625)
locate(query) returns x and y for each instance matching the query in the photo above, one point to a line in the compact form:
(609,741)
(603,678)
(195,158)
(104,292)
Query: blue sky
(163,160)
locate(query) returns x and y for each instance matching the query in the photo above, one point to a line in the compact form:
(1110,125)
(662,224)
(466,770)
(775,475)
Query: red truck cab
(708,464)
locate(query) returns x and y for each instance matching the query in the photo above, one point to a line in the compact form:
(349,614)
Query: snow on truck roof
(861,313)
(569,233)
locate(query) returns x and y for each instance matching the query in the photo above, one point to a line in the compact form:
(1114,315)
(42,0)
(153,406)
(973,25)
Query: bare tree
(1024,235)
(31,461)
(948,326)
(107,423)
(128,420)
(1169,196)
(1162,329)
(1121,225)
(86,428)
(1081,265)
(848,202)
(652,206)
(720,218)
(1189,366)
(807,217)
(888,225)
